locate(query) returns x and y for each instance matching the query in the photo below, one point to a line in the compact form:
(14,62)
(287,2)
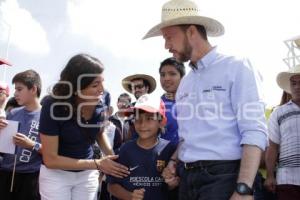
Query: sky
(43,35)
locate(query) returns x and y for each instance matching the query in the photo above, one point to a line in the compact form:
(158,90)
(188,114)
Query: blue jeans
(211,182)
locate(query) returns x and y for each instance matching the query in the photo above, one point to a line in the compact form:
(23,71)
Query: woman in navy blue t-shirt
(71,120)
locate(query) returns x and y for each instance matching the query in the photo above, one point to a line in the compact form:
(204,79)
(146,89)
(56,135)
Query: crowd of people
(206,138)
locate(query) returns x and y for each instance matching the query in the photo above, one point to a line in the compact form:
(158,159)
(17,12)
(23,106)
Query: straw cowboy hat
(127,82)
(177,12)
(283,78)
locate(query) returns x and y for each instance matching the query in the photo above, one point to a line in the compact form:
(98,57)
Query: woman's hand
(270,183)
(108,166)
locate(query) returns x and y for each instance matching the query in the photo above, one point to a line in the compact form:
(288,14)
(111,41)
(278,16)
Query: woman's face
(93,91)
(169,78)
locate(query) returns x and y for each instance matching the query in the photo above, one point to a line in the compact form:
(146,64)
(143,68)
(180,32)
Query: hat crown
(148,101)
(178,8)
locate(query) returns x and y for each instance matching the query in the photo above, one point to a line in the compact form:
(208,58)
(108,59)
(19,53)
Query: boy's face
(23,95)
(146,124)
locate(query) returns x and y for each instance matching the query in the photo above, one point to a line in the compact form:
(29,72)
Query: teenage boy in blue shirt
(27,141)
(145,156)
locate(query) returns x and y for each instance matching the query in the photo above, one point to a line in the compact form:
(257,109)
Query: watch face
(37,146)
(243,189)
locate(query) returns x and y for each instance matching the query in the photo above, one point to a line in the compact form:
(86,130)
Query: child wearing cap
(145,156)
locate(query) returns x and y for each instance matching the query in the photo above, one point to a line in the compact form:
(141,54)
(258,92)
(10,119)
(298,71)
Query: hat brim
(212,26)
(126,82)
(2,61)
(283,80)
(151,110)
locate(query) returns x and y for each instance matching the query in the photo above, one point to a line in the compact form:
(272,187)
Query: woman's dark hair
(79,65)
(173,62)
(66,89)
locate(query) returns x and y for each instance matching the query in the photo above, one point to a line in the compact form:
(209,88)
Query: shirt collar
(206,60)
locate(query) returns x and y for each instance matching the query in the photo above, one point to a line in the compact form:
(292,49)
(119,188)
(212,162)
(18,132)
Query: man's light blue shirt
(219,108)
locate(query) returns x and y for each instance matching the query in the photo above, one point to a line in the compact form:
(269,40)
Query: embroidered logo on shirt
(133,168)
(160,165)
(181,96)
(218,88)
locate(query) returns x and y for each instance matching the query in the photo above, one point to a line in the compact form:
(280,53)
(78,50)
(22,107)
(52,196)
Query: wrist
(35,146)
(97,165)
(243,189)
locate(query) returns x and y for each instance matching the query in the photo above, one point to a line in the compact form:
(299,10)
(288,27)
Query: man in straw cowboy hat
(139,84)
(219,109)
(284,134)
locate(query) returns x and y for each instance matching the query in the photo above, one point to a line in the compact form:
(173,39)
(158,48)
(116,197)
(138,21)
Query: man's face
(138,88)
(177,43)
(123,103)
(295,87)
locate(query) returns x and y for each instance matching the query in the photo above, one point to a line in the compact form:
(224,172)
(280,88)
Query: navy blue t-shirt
(145,166)
(75,139)
(171,132)
(28,160)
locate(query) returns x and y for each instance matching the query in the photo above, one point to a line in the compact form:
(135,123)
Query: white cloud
(21,29)
(116,25)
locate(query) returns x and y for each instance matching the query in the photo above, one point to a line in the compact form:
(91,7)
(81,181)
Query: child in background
(145,156)
(28,147)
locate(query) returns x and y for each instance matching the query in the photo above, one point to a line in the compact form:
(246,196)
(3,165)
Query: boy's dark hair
(173,62)
(29,78)
(124,95)
(201,29)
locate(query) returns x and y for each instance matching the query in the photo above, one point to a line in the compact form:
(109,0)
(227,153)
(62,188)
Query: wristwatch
(243,189)
(36,146)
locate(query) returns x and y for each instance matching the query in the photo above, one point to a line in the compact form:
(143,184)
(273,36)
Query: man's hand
(23,141)
(138,194)
(169,174)
(270,183)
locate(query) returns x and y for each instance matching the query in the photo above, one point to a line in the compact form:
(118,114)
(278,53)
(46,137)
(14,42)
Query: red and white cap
(153,105)
(4,88)
(4,62)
